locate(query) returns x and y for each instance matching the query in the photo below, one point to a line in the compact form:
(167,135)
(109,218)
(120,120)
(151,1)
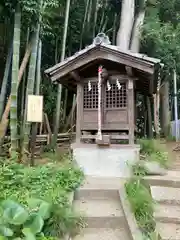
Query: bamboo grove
(35,34)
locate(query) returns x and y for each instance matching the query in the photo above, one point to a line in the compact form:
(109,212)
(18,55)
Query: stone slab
(169,231)
(166,195)
(167,213)
(171,179)
(110,161)
(103,234)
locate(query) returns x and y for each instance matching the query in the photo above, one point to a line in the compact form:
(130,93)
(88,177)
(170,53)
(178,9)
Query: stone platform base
(109,161)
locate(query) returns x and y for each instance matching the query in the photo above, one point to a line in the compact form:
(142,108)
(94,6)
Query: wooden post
(155,113)
(65,105)
(156,110)
(165,115)
(145,123)
(135,109)
(79,112)
(48,128)
(131,110)
(150,132)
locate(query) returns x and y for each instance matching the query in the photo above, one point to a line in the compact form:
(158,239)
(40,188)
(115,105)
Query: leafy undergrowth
(154,150)
(142,204)
(51,183)
(138,190)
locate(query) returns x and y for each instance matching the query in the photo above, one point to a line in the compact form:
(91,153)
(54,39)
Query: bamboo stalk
(58,103)
(37,91)
(14,80)
(5,80)
(70,114)
(21,71)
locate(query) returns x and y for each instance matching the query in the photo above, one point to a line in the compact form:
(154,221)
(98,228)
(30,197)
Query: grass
(52,182)
(142,204)
(152,150)
(138,191)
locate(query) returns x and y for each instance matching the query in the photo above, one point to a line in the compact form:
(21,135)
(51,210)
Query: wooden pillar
(145,123)
(79,113)
(155,113)
(135,109)
(131,110)
(150,132)
(165,115)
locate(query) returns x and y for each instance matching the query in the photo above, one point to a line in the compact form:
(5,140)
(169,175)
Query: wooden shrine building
(125,74)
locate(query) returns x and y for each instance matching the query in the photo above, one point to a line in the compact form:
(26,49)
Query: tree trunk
(165,109)
(95,18)
(23,99)
(103,16)
(136,32)
(14,84)
(31,82)
(136,40)
(5,80)
(58,103)
(126,24)
(23,86)
(149,112)
(37,92)
(84,23)
(21,71)
(157,107)
(114,30)
(65,105)
(4,120)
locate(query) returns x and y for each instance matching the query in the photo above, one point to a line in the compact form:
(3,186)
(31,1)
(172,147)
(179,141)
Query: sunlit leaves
(161,35)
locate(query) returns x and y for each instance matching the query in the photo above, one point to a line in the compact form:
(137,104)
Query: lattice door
(91,97)
(116,98)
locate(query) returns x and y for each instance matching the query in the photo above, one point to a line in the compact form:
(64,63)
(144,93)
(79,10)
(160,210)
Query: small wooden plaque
(35,108)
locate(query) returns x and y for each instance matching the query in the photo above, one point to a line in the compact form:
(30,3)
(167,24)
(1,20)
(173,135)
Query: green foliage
(161,35)
(17,220)
(138,190)
(147,146)
(50,183)
(153,150)
(142,204)
(139,170)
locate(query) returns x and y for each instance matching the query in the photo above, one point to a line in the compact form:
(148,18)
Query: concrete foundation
(112,161)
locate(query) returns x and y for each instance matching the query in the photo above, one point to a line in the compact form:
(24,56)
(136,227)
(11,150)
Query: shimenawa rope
(99,134)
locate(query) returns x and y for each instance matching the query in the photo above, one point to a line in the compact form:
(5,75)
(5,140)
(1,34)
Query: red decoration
(100,69)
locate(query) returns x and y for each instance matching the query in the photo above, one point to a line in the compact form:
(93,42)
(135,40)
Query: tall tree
(14,83)
(126,24)
(31,80)
(37,91)
(137,27)
(58,104)
(5,79)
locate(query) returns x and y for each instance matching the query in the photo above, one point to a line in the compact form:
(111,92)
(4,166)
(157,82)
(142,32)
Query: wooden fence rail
(44,138)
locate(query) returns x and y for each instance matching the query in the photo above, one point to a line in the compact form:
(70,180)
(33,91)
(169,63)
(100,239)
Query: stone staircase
(166,193)
(100,203)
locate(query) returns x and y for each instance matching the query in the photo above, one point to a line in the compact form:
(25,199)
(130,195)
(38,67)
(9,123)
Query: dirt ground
(44,158)
(173,149)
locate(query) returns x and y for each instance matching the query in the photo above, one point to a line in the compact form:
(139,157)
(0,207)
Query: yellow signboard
(35,108)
